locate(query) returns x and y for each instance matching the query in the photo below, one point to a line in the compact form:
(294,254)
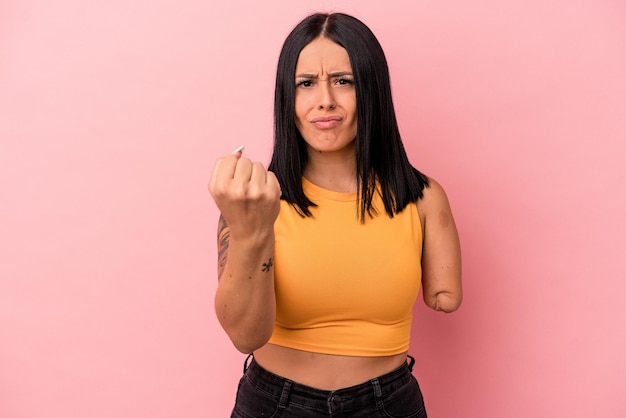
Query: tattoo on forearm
(267,266)
(223,241)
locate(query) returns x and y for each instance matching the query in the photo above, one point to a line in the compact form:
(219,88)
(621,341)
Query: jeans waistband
(288,391)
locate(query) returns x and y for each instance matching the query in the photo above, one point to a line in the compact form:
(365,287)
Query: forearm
(248,197)
(245,301)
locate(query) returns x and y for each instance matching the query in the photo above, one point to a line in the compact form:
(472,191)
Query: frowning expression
(325,98)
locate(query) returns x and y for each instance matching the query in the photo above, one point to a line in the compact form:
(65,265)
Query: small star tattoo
(267,266)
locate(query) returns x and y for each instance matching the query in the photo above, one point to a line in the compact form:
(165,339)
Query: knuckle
(237,194)
(255,194)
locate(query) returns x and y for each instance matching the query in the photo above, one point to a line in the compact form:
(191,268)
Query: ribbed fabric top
(345,287)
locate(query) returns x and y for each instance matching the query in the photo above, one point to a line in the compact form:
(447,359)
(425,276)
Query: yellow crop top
(344,287)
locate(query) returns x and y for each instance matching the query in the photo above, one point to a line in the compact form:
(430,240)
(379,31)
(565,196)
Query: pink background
(112,113)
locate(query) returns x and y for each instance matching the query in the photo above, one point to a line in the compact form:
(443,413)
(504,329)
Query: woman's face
(325,98)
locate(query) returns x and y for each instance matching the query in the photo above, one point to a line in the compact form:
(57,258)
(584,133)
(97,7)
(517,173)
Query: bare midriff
(324,371)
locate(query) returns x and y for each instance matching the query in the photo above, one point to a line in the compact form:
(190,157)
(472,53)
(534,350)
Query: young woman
(321,256)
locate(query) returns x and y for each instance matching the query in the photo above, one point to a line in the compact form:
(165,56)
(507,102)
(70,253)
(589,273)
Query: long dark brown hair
(380,155)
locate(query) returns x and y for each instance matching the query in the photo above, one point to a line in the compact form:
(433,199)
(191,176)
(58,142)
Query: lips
(326,122)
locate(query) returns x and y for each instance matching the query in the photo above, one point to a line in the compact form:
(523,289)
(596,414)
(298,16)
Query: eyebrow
(313,76)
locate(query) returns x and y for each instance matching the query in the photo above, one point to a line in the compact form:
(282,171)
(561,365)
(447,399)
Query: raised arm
(248,198)
(441,254)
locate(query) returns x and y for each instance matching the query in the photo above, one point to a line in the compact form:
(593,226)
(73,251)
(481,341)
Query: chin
(330,145)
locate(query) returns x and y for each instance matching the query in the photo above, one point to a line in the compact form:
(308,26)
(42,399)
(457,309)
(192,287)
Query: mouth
(326,122)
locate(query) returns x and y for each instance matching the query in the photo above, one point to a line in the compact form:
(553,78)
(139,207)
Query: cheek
(300,126)
(300,113)
(353,118)
(350,106)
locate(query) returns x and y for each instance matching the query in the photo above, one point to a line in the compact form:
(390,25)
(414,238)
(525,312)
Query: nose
(327,99)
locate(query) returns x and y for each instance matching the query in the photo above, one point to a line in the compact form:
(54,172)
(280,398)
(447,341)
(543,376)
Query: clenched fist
(247,195)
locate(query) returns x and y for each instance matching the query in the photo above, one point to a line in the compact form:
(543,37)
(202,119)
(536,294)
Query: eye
(345,82)
(304,83)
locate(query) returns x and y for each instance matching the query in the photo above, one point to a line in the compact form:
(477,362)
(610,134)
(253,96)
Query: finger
(214,174)
(258,174)
(243,170)
(216,167)
(225,167)
(272,179)
(223,170)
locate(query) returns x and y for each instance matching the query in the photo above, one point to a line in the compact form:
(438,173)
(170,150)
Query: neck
(334,171)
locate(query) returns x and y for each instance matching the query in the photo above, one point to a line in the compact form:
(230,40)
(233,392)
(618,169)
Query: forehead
(322,55)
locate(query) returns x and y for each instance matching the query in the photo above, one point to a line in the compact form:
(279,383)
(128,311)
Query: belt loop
(377,392)
(284,396)
(246,364)
(411,362)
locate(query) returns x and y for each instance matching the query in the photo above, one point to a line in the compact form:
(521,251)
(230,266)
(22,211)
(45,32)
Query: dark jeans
(264,394)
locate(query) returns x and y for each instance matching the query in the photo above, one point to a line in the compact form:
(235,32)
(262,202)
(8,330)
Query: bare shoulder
(434,202)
